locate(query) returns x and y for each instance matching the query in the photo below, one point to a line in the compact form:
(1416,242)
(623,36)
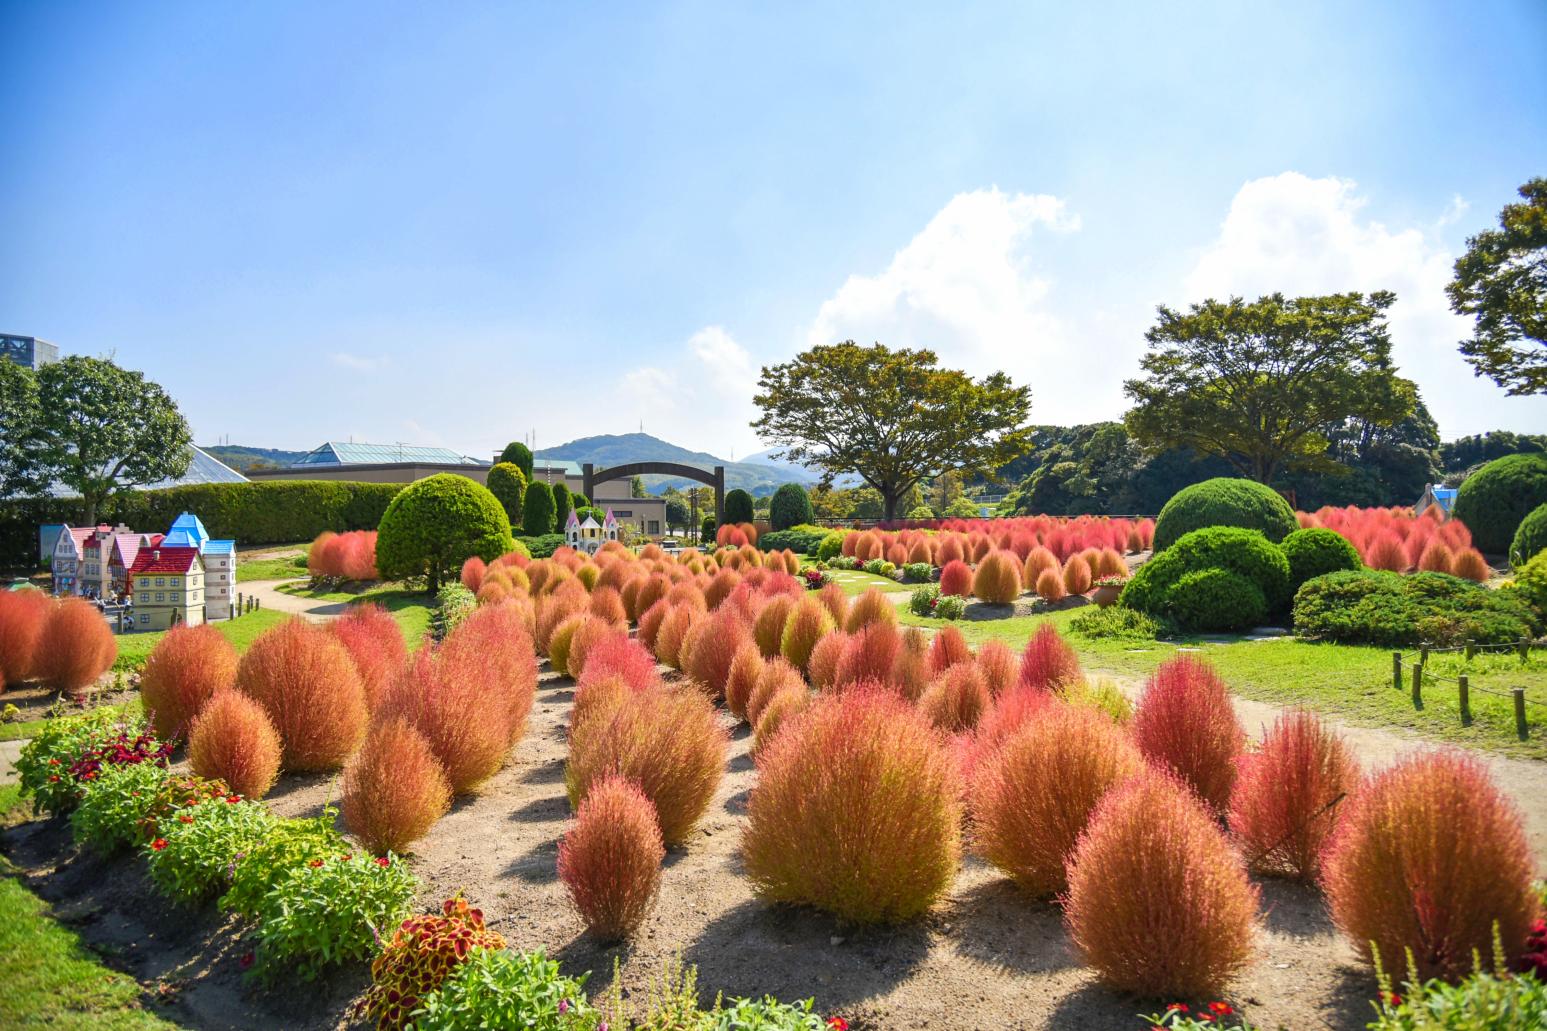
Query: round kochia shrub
(493,646)
(1159,904)
(610,860)
(75,648)
(435,524)
(1048,661)
(233,739)
(1493,501)
(447,698)
(1430,857)
(372,638)
(821,829)
(1224,501)
(394,787)
(1184,722)
(184,671)
(807,624)
(22,615)
(1530,538)
(308,685)
(1036,789)
(1246,553)
(956,578)
(1315,552)
(997,580)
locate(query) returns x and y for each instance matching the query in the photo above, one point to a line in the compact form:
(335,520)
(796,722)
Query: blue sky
(456,224)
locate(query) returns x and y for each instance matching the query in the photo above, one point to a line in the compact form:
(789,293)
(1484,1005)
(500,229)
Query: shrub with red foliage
(650,622)
(996,662)
(553,609)
(721,586)
(309,686)
(1469,564)
(674,628)
(1388,553)
(1077,575)
(668,742)
(233,740)
(710,664)
(867,655)
(1284,806)
(446,699)
(607,605)
(1110,563)
(1158,903)
(597,697)
(1004,716)
(343,556)
(1430,856)
(618,655)
(787,702)
(1035,792)
(610,860)
(956,578)
(590,634)
(808,623)
(1435,558)
(822,669)
(651,590)
(372,638)
(868,609)
(559,640)
(746,666)
(836,602)
(1184,723)
(394,787)
(1048,661)
(777,673)
(75,647)
(182,673)
(956,699)
(472,573)
(495,646)
(22,615)
(910,672)
(768,626)
(820,831)
(1050,586)
(948,648)
(1038,560)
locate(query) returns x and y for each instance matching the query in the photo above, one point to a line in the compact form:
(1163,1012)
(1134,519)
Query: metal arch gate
(591,476)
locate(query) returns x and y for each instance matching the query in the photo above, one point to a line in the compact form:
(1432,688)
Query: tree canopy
(508,484)
(1257,382)
(22,467)
(894,418)
(435,524)
(1501,281)
(519,455)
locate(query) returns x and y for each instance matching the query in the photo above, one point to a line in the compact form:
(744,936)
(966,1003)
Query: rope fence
(1414,676)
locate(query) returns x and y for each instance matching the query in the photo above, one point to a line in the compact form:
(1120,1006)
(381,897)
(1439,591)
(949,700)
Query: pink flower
(383,862)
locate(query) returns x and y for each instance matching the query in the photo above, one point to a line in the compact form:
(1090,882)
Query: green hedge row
(273,512)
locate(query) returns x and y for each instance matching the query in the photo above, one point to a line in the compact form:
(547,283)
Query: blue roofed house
(219,562)
(1434,494)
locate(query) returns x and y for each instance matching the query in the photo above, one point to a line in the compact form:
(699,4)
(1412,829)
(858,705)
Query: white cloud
(704,402)
(356,362)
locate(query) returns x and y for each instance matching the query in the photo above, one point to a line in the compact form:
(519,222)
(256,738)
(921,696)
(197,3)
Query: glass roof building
(336,452)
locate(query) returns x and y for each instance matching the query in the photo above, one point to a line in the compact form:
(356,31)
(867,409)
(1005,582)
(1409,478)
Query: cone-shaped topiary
(435,524)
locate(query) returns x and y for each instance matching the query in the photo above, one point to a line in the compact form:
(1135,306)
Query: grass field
(271,568)
(411,608)
(856,581)
(241,631)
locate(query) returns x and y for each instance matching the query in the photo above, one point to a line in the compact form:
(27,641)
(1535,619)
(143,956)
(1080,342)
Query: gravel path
(270,597)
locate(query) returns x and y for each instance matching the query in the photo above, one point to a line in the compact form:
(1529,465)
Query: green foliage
(436,524)
(803,540)
(1257,382)
(1315,552)
(43,767)
(790,506)
(950,606)
(196,845)
(495,988)
(289,844)
(177,791)
(962,508)
(706,530)
(22,467)
(541,547)
(1493,501)
(1465,453)
(1156,588)
(678,514)
(520,456)
(114,807)
(831,546)
(1530,537)
(879,567)
(563,504)
(1116,622)
(1216,1016)
(422,952)
(1485,1001)
(1216,600)
(1501,281)
(538,510)
(1371,607)
(329,910)
(918,572)
(453,603)
(1224,501)
(738,506)
(508,485)
(1530,585)
(921,512)
(893,417)
(923,600)
(765,1014)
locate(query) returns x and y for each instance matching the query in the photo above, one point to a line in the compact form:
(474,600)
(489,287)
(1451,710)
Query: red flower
(346,857)
(185,818)
(246,959)
(315,863)
(1177,1007)
(1220,1009)
(53,762)
(383,862)
(158,844)
(837,1024)
(233,799)
(1393,999)
(53,778)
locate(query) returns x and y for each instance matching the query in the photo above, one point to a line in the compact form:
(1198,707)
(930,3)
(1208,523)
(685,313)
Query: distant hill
(798,472)
(244,459)
(614,449)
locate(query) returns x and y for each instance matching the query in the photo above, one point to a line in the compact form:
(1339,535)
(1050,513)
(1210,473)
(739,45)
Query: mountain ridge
(615,448)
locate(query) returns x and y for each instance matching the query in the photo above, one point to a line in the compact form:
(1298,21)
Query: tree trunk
(889,505)
(91,510)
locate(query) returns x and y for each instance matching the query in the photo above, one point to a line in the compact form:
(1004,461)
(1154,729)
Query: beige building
(166,586)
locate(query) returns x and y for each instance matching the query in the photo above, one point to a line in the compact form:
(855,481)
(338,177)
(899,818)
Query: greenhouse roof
(336,452)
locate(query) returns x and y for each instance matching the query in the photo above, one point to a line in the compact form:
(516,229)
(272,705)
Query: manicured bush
(1530,537)
(1224,501)
(446,698)
(738,507)
(508,485)
(309,686)
(22,615)
(435,524)
(421,955)
(1154,587)
(1185,723)
(185,670)
(997,579)
(189,859)
(1493,501)
(1034,794)
(375,644)
(1286,799)
(808,622)
(669,742)
(1048,661)
(1158,902)
(870,608)
(820,832)
(1216,600)
(610,859)
(75,647)
(114,806)
(233,739)
(394,787)
(493,647)
(1430,856)
(956,578)
(500,989)
(1315,552)
(790,506)
(1371,607)
(1050,586)
(1077,575)
(956,699)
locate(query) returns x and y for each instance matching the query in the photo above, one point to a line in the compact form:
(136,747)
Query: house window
(623,514)
(160,596)
(161,581)
(655,526)
(144,618)
(145,599)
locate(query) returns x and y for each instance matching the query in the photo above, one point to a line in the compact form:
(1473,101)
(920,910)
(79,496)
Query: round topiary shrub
(790,506)
(508,484)
(233,739)
(435,524)
(537,510)
(1493,501)
(309,686)
(1224,501)
(1246,553)
(1217,600)
(738,507)
(821,831)
(1530,538)
(1315,551)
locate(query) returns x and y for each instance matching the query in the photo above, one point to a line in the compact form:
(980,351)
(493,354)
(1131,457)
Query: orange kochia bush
(1184,722)
(311,690)
(184,671)
(22,615)
(610,860)
(997,579)
(492,645)
(446,698)
(372,638)
(75,647)
(394,788)
(232,739)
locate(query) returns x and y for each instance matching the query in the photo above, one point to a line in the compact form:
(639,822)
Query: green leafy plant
(923,600)
(1494,500)
(789,506)
(453,603)
(1481,1002)
(436,524)
(290,844)
(328,911)
(1216,1016)
(950,606)
(1372,607)
(1154,588)
(1224,501)
(192,855)
(113,808)
(918,572)
(765,1014)
(803,540)
(832,545)
(177,791)
(1315,552)
(496,988)
(45,763)
(1116,622)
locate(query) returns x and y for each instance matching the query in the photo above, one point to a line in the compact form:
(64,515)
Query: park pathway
(270,597)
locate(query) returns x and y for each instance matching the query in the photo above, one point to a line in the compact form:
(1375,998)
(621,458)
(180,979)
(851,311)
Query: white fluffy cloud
(704,402)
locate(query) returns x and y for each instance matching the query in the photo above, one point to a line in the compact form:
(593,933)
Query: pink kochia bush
(956,578)
(343,556)
(1184,722)
(492,647)
(184,671)
(856,810)
(234,741)
(311,690)
(1159,903)
(1430,857)
(610,860)
(1048,662)
(446,698)
(1286,798)
(22,615)
(372,638)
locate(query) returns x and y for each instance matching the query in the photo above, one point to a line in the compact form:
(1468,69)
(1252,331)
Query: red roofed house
(121,559)
(166,585)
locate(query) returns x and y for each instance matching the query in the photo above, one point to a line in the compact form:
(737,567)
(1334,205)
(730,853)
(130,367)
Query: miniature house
(590,535)
(167,585)
(1434,494)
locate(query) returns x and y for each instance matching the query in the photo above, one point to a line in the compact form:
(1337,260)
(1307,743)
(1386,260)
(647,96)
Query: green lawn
(271,568)
(411,608)
(241,631)
(855,581)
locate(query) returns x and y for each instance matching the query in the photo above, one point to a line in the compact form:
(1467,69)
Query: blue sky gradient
(455,224)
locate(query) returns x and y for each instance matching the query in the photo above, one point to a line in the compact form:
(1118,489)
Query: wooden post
(1471,650)
(1396,670)
(1525,649)
(1423,656)
(1464,694)
(1520,711)
(1418,686)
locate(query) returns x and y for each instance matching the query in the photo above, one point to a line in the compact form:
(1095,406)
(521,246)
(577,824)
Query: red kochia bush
(868,654)
(746,666)
(1034,794)
(610,860)
(1285,802)
(1077,575)
(998,578)
(233,740)
(1158,902)
(308,685)
(1048,661)
(22,615)
(1004,717)
(947,649)
(587,637)
(373,640)
(184,671)
(822,667)
(776,674)
(710,663)
(75,648)
(1050,585)
(449,703)
(768,626)
(1431,856)
(956,578)
(1469,564)
(620,656)
(394,787)
(996,662)
(493,646)
(869,608)
(472,573)
(1184,722)
(956,699)
(668,742)
(821,828)
(910,671)
(786,703)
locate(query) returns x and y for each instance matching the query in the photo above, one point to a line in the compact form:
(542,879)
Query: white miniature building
(590,535)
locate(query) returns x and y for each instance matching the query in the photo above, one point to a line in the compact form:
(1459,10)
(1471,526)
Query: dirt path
(270,597)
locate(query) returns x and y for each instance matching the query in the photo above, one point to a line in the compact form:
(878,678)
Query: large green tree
(677,514)
(105,429)
(508,484)
(1501,281)
(519,455)
(1257,382)
(435,524)
(23,468)
(894,418)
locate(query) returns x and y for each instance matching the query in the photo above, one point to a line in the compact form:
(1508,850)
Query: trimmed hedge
(1157,587)
(1530,538)
(789,507)
(802,540)
(1493,501)
(1372,607)
(436,524)
(1217,600)
(543,546)
(1224,501)
(1316,552)
(738,507)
